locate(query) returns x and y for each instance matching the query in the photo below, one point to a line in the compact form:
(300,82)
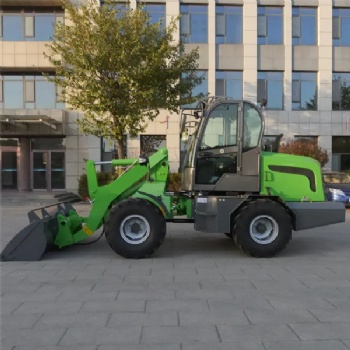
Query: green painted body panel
(292,178)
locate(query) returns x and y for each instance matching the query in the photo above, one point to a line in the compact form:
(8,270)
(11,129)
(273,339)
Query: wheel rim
(134,229)
(263,229)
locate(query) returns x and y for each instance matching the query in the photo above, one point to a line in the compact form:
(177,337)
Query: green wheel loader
(229,186)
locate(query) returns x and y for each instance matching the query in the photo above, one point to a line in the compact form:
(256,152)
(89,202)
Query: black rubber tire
(228,235)
(144,209)
(242,222)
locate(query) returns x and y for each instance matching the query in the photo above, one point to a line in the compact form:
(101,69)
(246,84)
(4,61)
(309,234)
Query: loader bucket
(31,243)
(28,245)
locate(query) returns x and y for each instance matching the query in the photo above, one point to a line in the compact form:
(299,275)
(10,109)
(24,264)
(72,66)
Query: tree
(305,147)
(119,69)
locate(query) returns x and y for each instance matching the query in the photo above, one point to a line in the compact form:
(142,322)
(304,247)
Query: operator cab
(223,153)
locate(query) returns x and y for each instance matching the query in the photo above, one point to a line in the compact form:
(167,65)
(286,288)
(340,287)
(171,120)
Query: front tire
(262,228)
(135,228)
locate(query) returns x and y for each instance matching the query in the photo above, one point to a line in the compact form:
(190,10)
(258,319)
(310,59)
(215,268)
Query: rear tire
(262,228)
(135,228)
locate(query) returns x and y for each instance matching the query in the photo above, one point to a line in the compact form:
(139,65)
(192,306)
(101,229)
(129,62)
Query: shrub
(102,179)
(307,148)
(174,182)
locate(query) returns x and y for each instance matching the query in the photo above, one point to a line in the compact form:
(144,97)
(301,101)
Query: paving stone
(212,280)
(239,303)
(146,295)
(337,315)
(333,283)
(99,336)
(340,303)
(124,319)
(182,334)
(177,305)
(261,332)
(239,345)
(114,306)
(24,287)
(19,321)
(322,331)
(208,318)
(9,307)
(204,294)
(73,295)
(49,307)
(30,297)
(299,302)
(59,347)
(141,347)
(306,345)
(73,320)
(34,337)
(279,316)
(346,342)
(78,286)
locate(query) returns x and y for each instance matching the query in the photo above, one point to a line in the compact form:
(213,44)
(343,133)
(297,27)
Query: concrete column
(211,47)
(250,38)
(24,164)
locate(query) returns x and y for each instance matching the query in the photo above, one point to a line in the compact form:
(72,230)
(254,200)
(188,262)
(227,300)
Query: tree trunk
(120,148)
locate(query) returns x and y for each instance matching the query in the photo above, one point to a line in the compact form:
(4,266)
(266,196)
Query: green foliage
(119,69)
(174,182)
(305,147)
(102,179)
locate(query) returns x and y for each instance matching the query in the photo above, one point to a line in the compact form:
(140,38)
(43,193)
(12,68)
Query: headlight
(337,191)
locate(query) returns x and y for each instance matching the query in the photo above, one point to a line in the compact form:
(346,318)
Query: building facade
(293,53)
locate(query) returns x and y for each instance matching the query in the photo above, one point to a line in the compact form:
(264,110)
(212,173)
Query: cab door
(228,149)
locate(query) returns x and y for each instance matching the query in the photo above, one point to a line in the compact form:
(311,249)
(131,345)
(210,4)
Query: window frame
(300,82)
(298,26)
(23,14)
(263,87)
(264,13)
(341,14)
(223,14)
(187,37)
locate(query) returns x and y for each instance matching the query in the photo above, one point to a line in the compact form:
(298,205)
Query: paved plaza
(198,292)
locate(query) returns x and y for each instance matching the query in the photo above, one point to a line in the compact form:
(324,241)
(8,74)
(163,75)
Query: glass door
(57,170)
(9,169)
(48,170)
(40,170)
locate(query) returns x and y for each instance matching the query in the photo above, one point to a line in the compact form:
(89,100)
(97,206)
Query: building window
(149,144)
(341,153)
(270,25)
(194,23)
(304,91)
(200,90)
(24,26)
(306,138)
(270,88)
(30,92)
(229,24)
(304,26)
(341,27)
(341,92)
(156,13)
(229,84)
